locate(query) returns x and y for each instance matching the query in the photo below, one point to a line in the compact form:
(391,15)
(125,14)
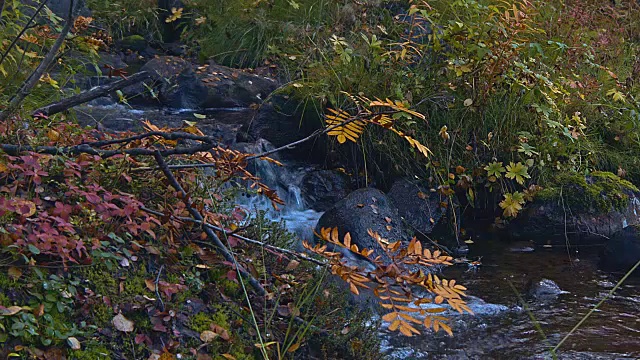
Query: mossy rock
(133,43)
(601,191)
(580,209)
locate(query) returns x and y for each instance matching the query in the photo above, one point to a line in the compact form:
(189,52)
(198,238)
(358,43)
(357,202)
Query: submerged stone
(545,290)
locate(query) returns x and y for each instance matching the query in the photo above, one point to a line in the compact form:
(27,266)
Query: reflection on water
(612,332)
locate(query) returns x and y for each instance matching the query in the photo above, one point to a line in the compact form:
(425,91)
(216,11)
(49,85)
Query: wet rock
(186,91)
(163,72)
(622,252)
(586,210)
(360,211)
(545,290)
(179,85)
(228,87)
(416,204)
(323,188)
(284,119)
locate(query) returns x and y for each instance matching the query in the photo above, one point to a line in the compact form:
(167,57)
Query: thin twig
(156,288)
(269,152)
(24,29)
(222,250)
(39,71)
(624,278)
(297,255)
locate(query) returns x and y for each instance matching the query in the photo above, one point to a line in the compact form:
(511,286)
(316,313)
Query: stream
(509,324)
(502,327)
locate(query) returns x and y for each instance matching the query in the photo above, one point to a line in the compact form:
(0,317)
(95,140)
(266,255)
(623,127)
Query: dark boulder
(186,91)
(585,210)
(283,119)
(228,87)
(163,73)
(360,211)
(324,188)
(177,84)
(416,204)
(622,251)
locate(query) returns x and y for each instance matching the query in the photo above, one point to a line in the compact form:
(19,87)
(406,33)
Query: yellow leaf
(390,316)
(394,325)
(14,273)
(53,135)
(175,15)
(294,347)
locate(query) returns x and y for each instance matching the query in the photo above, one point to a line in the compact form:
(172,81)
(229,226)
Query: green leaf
(495,169)
(518,172)
(199,116)
(34,250)
(512,204)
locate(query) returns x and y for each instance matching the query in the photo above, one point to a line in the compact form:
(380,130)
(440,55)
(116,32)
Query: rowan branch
(263,154)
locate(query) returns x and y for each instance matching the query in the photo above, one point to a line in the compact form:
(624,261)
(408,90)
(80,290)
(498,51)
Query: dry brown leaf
(121,323)
(208,336)
(151,285)
(14,273)
(294,347)
(11,310)
(293,264)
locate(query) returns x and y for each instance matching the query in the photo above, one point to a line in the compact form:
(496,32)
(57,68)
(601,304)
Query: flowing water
(612,332)
(508,323)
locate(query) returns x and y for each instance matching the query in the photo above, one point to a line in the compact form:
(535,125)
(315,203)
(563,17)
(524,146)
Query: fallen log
(89,95)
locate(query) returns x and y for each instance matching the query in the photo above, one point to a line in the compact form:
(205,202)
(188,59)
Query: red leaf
(232,275)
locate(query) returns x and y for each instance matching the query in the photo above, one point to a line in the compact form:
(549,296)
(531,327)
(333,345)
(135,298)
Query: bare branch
(88,149)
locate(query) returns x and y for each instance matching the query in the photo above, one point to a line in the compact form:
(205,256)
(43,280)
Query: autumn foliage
(401,280)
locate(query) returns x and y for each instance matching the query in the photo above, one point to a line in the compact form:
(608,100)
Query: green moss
(601,191)
(202,320)
(101,315)
(101,281)
(104,282)
(4,300)
(92,351)
(133,42)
